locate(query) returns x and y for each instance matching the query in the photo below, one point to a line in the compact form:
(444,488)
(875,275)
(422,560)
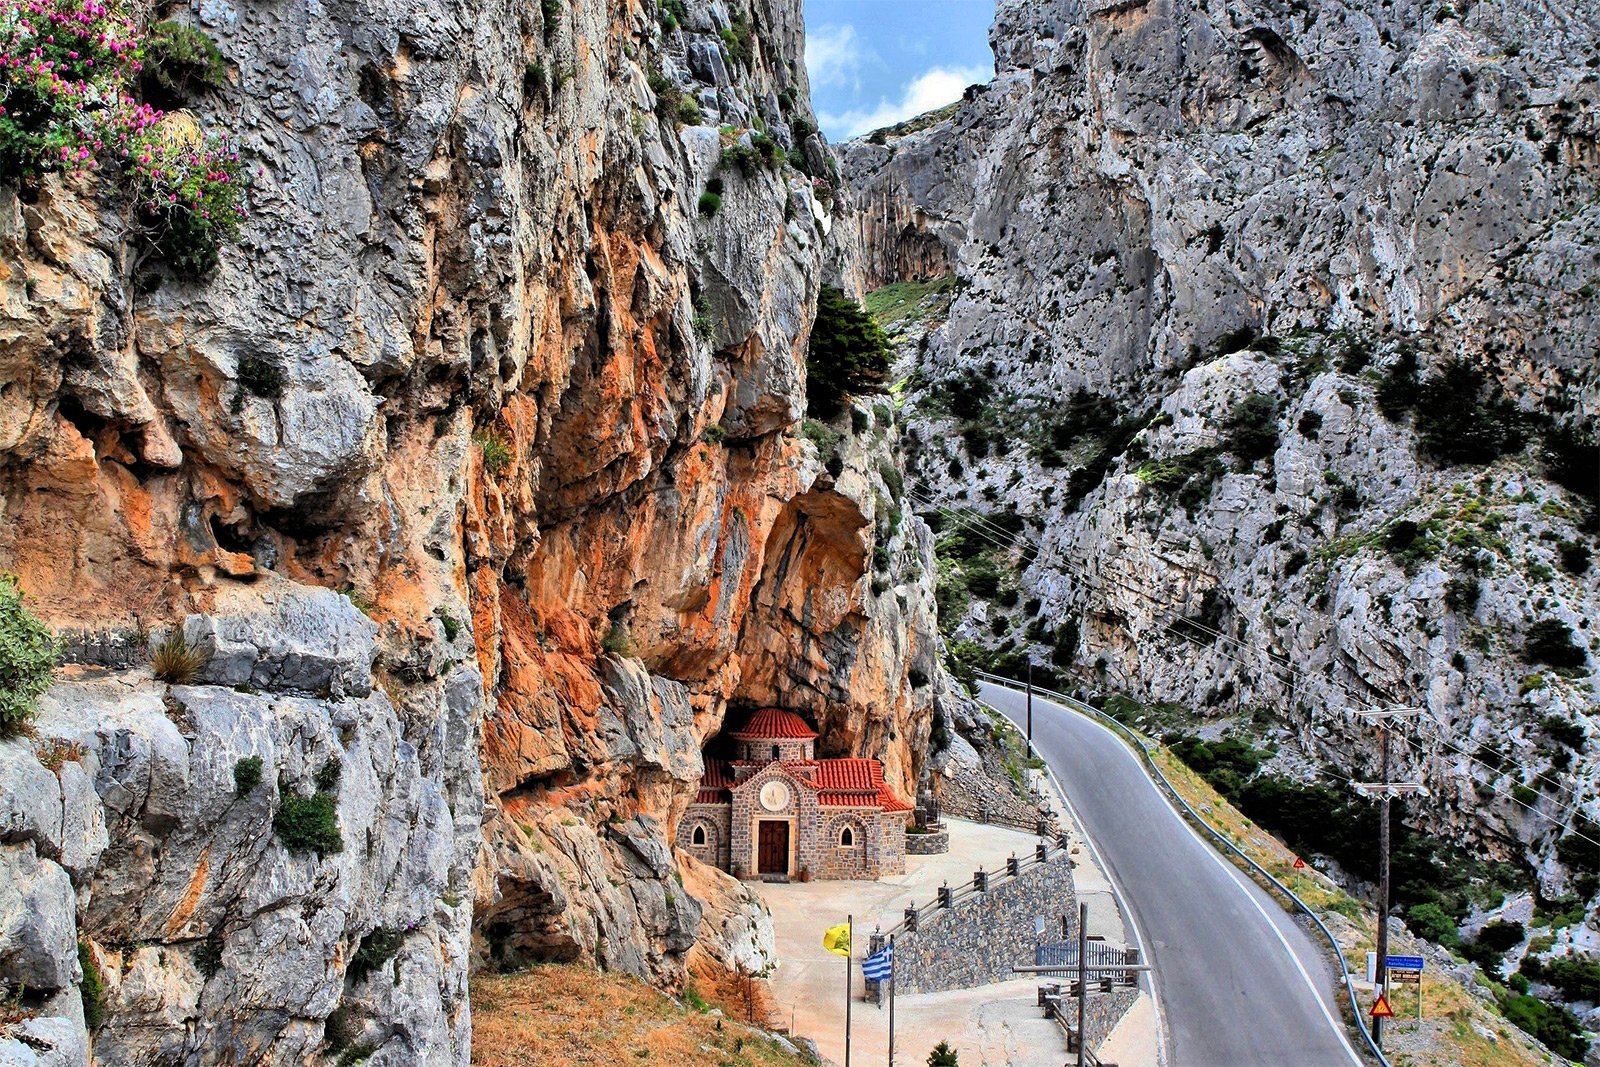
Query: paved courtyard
(990,1025)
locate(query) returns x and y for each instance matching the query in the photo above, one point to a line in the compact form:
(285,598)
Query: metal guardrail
(1132,738)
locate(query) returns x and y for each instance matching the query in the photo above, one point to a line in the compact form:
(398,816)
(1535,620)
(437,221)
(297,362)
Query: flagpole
(892,1000)
(850,924)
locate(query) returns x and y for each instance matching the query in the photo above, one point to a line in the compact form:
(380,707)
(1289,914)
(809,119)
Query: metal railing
(982,881)
(1138,743)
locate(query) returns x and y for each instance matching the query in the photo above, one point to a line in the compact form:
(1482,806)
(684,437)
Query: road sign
(1414,977)
(1406,963)
(1299,864)
(1381,1009)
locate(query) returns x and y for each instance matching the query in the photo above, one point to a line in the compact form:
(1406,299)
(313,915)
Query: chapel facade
(775,810)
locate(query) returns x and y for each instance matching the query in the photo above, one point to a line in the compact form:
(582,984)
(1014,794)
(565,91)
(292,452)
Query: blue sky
(877,62)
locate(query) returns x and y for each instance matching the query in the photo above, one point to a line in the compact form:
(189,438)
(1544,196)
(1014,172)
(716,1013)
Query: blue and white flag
(880,964)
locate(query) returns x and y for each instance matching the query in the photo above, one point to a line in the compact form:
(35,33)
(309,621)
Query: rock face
(1198,246)
(529,511)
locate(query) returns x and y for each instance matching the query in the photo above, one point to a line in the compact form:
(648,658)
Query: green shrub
(767,150)
(185,188)
(1578,977)
(376,949)
(495,448)
(1565,731)
(672,14)
(246,775)
(616,641)
(1429,921)
(450,624)
(1252,428)
(1461,593)
(328,775)
(550,10)
(1399,388)
(740,40)
(674,107)
(259,377)
(710,203)
(28,652)
(825,437)
(208,956)
(1555,1026)
(943,1056)
(93,989)
(848,356)
(1575,557)
(1461,422)
(1550,641)
(309,824)
(179,63)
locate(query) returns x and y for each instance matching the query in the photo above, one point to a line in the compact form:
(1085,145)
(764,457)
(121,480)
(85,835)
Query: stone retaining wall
(1100,1017)
(983,936)
(934,844)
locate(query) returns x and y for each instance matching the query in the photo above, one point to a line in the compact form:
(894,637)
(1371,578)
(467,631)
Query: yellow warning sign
(1381,1009)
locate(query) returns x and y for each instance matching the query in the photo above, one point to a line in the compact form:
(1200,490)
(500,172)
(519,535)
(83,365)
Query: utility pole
(1083,978)
(1385,790)
(1030,698)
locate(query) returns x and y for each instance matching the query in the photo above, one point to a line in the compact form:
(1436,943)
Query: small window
(774,751)
(847,838)
(699,835)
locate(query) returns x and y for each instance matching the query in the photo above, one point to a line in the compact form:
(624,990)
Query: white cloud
(931,89)
(834,56)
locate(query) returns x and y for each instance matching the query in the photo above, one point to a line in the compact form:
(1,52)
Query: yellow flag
(837,939)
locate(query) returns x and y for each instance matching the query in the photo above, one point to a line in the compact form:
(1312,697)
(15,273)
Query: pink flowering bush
(63,68)
(186,191)
(67,68)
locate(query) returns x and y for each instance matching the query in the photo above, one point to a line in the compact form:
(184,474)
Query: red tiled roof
(855,783)
(840,783)
(714,785)
(771,724)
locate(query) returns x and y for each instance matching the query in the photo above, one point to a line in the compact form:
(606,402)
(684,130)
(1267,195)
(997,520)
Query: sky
(874,63)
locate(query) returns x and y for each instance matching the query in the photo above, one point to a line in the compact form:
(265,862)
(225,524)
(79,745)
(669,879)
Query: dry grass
(176,661)
(574,1016)
(54,752)
(1457,1030)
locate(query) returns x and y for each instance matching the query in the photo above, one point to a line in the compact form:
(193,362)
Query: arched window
(847,838)
(699,835)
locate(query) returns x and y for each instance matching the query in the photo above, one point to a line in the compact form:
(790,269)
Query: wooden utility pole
(1030,698)
(1385,790)
(1083,979)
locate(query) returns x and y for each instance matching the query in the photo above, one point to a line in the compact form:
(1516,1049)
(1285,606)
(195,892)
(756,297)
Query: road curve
(1240,985)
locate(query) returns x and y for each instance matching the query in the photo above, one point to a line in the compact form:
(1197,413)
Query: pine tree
(849,354)
(943,1056)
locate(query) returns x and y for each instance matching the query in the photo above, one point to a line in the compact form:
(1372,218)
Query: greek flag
(879,965)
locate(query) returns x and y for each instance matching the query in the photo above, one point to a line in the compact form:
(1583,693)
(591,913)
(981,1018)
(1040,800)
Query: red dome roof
(772,724)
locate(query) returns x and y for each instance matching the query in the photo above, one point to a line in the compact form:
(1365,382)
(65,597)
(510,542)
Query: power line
(998,537)
(1296,676)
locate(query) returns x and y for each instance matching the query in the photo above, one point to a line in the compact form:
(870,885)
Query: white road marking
(1121,897)
(1232,871)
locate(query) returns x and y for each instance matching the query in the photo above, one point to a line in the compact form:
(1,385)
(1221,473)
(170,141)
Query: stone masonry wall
(978,941)
(717,820)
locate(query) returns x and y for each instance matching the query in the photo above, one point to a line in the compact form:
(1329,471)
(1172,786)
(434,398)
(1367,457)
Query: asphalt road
(1239,984)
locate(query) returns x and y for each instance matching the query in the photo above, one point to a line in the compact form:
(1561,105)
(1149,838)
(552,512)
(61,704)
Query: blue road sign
(1406,963)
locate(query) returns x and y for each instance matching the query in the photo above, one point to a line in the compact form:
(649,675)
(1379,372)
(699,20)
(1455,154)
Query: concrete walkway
(991,1025)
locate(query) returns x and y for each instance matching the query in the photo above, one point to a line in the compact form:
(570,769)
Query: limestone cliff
(1272,356)
(473,487)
